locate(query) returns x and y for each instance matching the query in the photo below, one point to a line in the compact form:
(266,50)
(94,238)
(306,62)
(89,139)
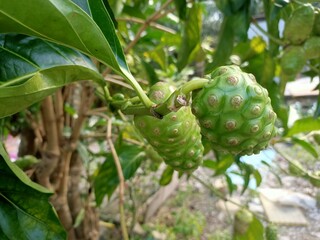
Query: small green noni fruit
(234,112)
(300,24)
(176,137)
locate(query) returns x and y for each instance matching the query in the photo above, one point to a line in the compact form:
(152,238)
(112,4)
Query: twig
(152,18)
(272,38)
(221,196)
(121,181)
(152,24)
(123,84)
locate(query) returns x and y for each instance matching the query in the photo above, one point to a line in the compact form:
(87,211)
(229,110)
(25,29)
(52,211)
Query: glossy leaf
(231,185)
(31,69)
(106,181)
(191,36)
(223,164)
(181,6)
(166,176)
(25,211)
(306,146)
(65,23)
(255,231)
(225,45)
(304,125)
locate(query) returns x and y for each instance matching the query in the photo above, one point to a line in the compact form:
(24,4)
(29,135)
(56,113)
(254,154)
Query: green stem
(136,86)
(221,196)
(272,38)
(193,85)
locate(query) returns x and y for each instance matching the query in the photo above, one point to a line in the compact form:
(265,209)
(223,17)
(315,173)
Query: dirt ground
(219,214)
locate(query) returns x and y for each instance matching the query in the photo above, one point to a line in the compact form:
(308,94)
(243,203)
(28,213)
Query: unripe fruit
(300,24)
(242,221)
(235,112)
(312,47)
(293,60)
(316,24)
(176,137)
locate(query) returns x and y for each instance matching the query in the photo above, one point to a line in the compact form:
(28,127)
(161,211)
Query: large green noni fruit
(234,112)
(176,137)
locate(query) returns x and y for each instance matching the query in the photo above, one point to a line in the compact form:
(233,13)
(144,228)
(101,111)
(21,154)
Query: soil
(219,214)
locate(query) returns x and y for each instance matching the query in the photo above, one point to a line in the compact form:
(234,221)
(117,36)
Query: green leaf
(257,177)
(151,74)
(166,176)
(181,6)
(307,124)
(191,36)
(306,146)
(231,185)
(255,231)
(210,164)
(223,164)
(106,181)
(25,211)
(104,18)
(249,49)
(225,45)
(65,23)
(31,69)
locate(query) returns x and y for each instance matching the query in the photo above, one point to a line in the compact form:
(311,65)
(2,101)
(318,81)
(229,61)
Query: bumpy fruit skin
(234,112)
(312,47)
(176,137)
(300,24)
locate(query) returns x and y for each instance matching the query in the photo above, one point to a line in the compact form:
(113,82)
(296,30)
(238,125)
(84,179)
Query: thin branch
(226,199)
(272,38)
(123,84)
(152,24)
(121,181)
(152,18)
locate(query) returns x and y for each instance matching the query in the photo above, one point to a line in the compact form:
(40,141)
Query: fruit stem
(272,38)
(193,85)
(136,86)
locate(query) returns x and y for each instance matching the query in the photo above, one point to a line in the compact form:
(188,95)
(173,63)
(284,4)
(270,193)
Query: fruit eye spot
(189,164)
(141,124)
(213,100)
(256,110)
(236,101)
(175,131)
(174,117)
(156,131)
(233,141)
(272,115)
(267,135)
(233,80)
(207,124)
(255,128)
(231,124)
(222,71)
(258,90)
(191,153)
(252,77)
